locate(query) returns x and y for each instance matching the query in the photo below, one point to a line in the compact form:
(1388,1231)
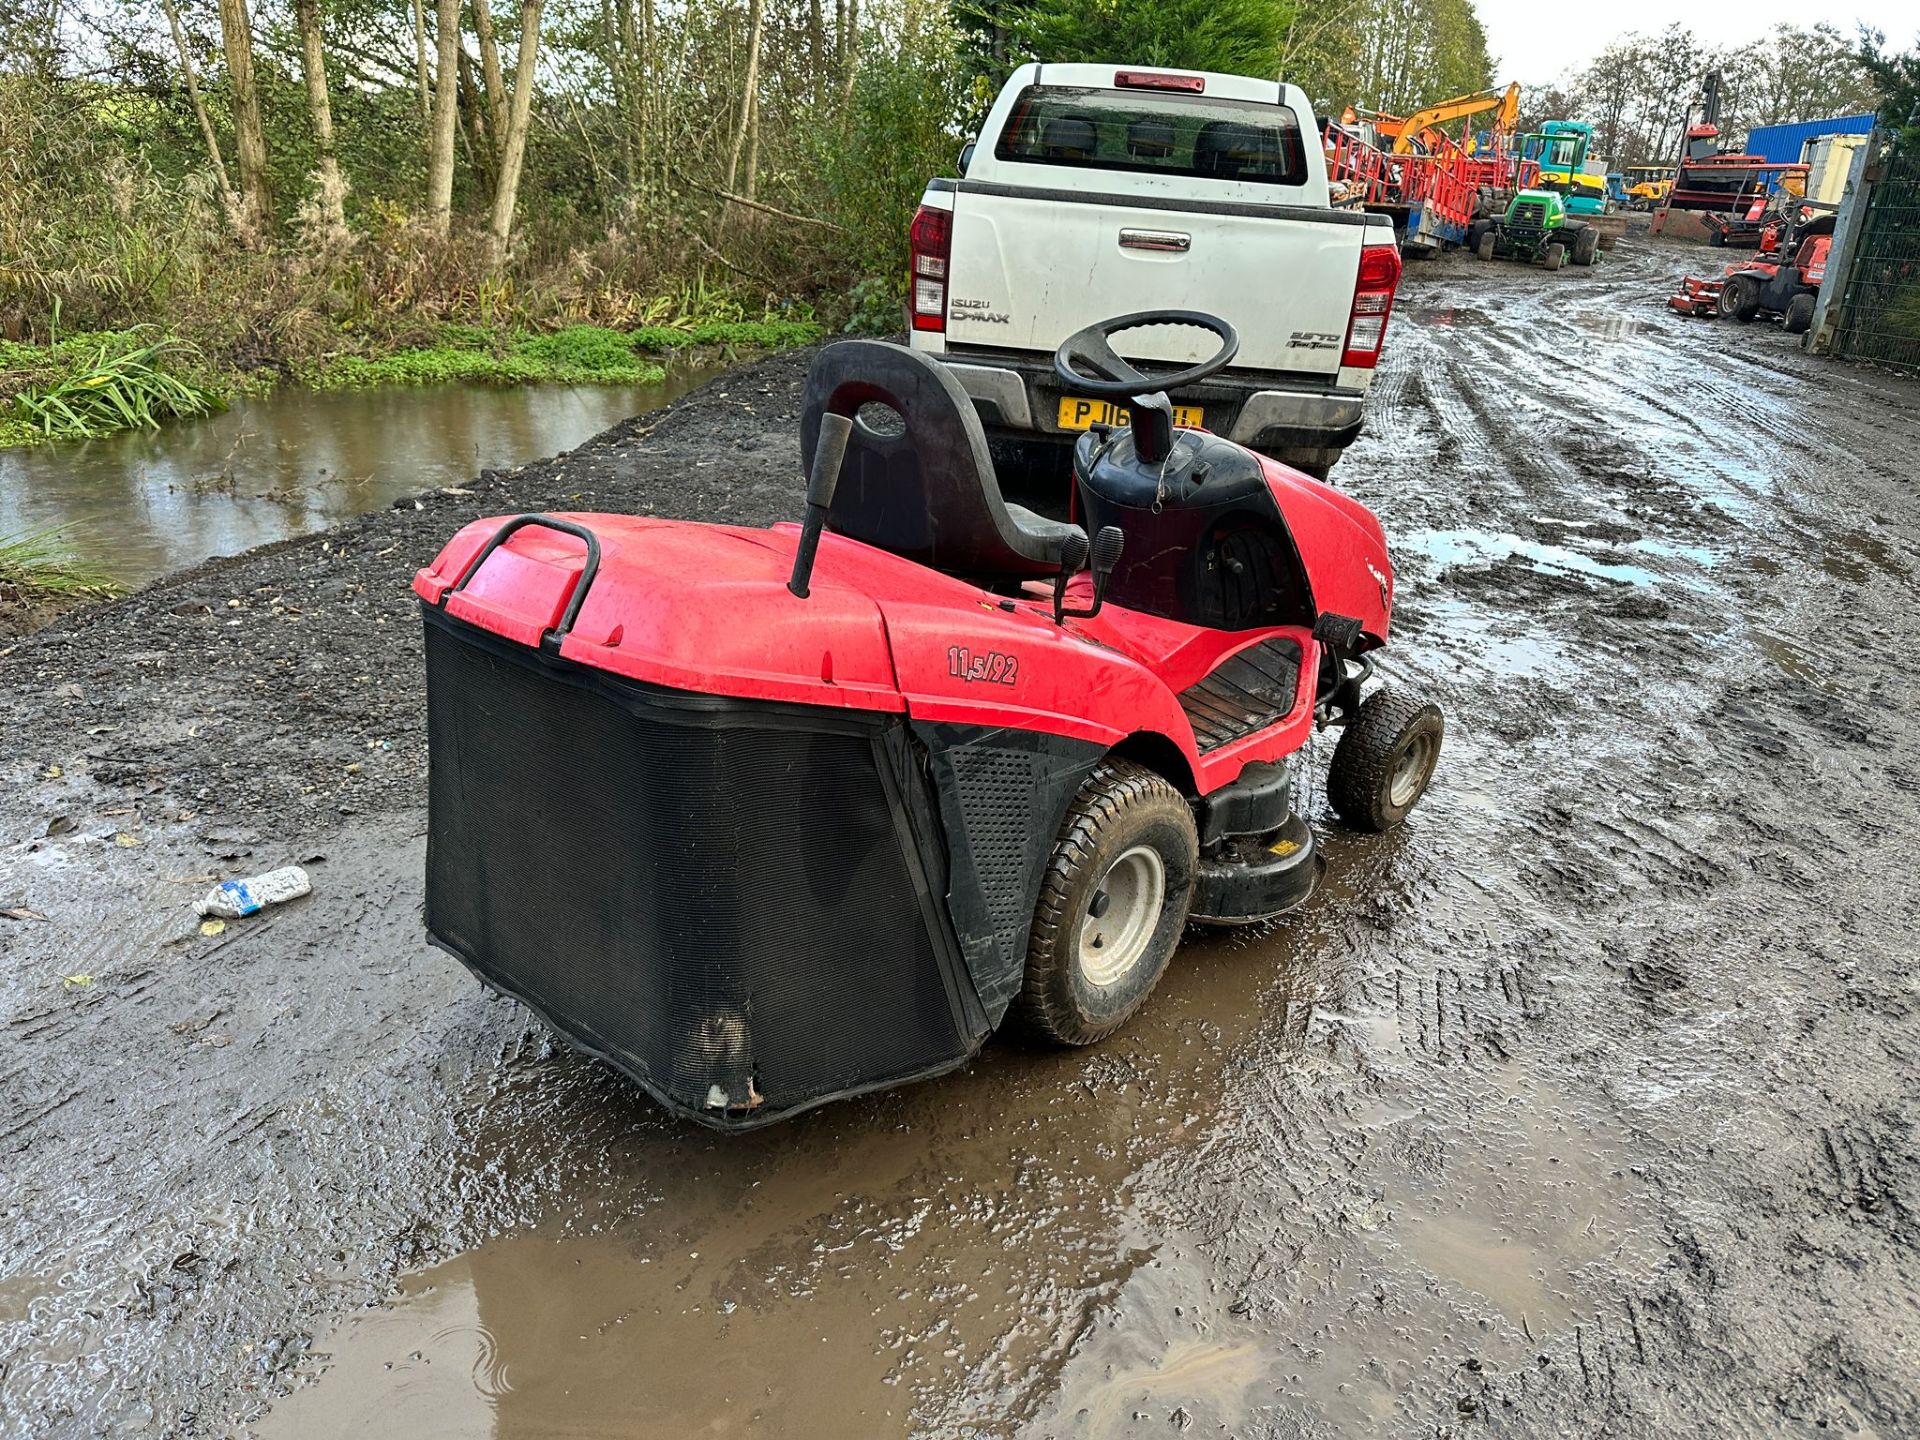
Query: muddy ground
(1584,1105)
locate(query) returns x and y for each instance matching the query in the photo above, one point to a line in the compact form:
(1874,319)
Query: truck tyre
(1485,248)
(1112,904)
(1385,760)
(1554,256)
(1800,314)
(1586,245)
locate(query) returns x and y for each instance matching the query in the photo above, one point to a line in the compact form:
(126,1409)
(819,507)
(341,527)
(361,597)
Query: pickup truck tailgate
(1031,267)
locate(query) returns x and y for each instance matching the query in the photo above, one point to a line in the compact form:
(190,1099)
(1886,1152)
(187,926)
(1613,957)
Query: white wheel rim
(1410,772)
(1123,911)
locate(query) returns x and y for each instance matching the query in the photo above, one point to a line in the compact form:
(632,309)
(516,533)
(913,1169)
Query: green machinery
(1538,226)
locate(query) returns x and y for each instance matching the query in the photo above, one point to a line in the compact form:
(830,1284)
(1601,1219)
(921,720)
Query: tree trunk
(256,193)
(446,117)
(229,202)
(313,64)
(420,70)
(852,56)
(506,194)
(816,44)
(481,138)
(490,69)
(756,19)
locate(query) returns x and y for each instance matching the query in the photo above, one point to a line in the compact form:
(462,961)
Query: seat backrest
(918,482)
(1227,150)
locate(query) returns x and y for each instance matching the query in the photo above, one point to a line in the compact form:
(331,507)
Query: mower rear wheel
(1384,762)
(1554,256)
(1586,245)
(1799,314)
(1112,904)
(1485,248)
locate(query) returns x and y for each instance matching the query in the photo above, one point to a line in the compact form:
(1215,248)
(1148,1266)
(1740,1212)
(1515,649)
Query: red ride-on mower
(1767,284)
(767,817)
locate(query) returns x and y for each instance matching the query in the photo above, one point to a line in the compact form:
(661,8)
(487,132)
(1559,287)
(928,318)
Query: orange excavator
(1420,132)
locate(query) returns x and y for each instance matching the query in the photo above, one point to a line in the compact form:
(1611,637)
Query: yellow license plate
(1076,414)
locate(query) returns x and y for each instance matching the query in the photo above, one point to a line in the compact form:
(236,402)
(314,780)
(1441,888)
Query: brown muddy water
(1582,1105)
(142,503)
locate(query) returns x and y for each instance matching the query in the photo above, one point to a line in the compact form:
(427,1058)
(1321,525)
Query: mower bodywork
(760,851)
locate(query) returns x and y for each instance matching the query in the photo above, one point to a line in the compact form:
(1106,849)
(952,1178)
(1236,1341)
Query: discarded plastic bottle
(234,898)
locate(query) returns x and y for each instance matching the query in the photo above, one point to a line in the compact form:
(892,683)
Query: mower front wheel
(1799,318)
(1740,298)
(1112,904)
(1485,248)
(1384,762)
(1554,256)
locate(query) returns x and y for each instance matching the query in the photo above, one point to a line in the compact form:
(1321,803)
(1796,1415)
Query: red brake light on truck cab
(1149,80)
(1372,303)
(930,241)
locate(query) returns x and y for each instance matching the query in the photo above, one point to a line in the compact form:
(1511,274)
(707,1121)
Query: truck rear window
(1163,133)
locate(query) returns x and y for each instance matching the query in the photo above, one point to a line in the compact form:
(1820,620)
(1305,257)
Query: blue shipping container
(1782,143)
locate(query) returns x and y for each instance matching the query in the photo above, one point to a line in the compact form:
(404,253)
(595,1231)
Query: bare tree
(313,64)
(229,201)
(420,68)
(446,116)
(746,132)
(256,192)
(506,193)
(490,68)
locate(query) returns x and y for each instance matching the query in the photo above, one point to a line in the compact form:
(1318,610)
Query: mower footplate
(1256,877)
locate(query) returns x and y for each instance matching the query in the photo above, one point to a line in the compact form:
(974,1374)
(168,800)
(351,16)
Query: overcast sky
(1537,44)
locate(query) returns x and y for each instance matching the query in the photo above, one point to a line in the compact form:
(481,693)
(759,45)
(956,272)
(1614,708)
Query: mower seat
(918,481)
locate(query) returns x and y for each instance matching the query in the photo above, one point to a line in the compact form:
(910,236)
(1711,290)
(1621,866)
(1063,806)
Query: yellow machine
(1651,184)
(1403,134)
(1421,126)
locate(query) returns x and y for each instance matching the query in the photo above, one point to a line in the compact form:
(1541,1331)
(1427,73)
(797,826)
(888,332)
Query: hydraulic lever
(1106,554)
(828,456)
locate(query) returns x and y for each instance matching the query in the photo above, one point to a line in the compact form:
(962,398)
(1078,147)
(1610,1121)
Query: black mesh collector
(739,904)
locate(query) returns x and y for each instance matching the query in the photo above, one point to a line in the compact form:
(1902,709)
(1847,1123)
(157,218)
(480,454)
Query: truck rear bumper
(1023,398)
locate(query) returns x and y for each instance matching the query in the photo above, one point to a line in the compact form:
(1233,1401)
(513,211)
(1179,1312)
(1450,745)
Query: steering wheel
(1086,361)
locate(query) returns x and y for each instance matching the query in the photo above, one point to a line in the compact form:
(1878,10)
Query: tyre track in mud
(1583,1105)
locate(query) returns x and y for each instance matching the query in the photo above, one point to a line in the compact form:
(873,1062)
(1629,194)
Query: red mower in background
(1782,279)
(768,817)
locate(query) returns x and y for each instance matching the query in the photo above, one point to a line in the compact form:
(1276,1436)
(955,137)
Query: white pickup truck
(1094,191)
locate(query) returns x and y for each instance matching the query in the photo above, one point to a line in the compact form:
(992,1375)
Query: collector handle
(544,522)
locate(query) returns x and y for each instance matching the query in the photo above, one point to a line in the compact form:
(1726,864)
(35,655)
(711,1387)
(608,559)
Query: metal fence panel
(1880,307)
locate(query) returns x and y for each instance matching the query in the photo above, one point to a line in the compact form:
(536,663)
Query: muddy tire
(1799,315)
(1586,245)
(1112,905)
(1739,298)
(1385,760)
(1475,231)
(1485,248)
(1554,256)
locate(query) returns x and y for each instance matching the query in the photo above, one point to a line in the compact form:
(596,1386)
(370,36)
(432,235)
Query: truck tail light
(931,243)
(1151,80)
(1372,303)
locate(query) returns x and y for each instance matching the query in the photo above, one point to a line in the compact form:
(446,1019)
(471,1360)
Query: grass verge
(39,567)
(86,386)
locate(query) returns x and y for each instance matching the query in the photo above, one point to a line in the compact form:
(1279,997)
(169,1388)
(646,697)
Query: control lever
(1107,546)
(1073,556)
(828,454)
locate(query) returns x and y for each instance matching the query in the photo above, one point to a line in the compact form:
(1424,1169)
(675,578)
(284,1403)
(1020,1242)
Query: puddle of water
(878,1268)
(1449,316)
(142,504)
(1464,547)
